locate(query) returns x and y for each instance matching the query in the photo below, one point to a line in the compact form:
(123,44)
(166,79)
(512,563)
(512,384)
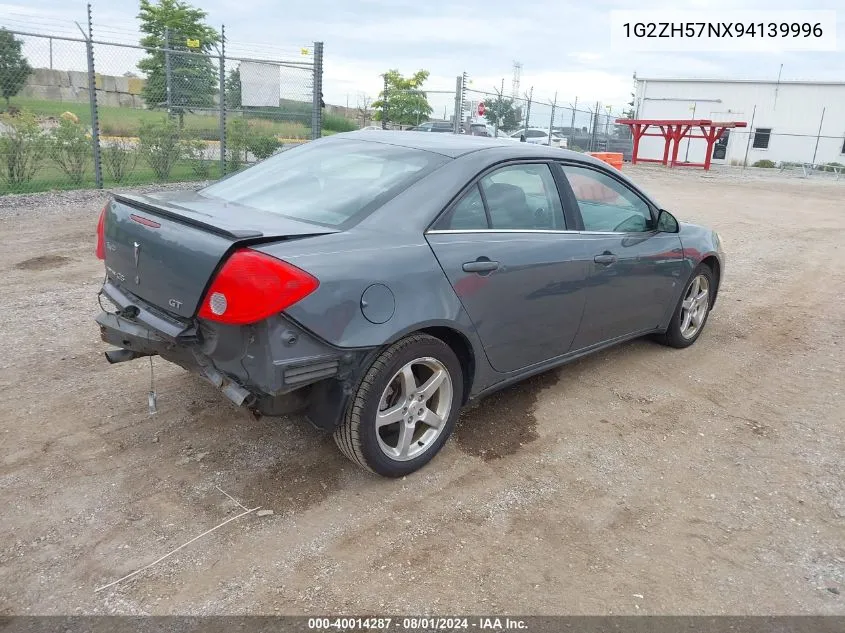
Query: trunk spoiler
(187,218)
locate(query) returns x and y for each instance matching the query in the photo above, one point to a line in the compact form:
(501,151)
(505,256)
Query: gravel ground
(640,480)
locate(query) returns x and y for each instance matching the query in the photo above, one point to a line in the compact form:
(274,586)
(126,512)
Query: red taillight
(101,234)
(251,286)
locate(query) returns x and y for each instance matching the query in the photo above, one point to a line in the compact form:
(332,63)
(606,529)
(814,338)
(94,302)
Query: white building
(795,121)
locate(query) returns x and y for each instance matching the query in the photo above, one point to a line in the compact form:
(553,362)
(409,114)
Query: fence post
(316,109)
(595,127)
(552,120)
(384,105)
(459,100)
(528,110)
(572,123)
(818,136)
(167,70)
(222,122)
(92,99)
(748,140)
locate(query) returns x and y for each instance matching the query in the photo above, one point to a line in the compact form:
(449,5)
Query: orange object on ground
(613,159)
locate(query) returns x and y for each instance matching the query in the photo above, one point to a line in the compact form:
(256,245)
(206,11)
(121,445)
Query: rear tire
(404,408)
(692,310)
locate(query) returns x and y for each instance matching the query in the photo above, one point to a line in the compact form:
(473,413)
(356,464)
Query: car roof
(455,145)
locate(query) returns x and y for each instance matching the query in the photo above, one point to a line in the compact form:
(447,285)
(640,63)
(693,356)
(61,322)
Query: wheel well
(463,350)
(713,264)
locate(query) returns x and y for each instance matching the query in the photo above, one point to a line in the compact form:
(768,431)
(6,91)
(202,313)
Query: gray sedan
(378,282)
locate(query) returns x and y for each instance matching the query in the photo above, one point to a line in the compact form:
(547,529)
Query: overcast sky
(563,45)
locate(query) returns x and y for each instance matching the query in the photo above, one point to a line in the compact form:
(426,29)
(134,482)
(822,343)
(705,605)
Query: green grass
(50,178)
(127,121)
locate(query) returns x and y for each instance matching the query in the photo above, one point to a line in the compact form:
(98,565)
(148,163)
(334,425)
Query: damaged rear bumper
(137,341)
(273,367)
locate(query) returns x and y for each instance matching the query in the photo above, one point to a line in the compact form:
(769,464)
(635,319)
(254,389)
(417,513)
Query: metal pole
(51,53)
(748,142)
(92,100)
(552,121)
(384,105)
(529,95)
(459,84)
(818,136)
(316,108)
(595,126)
(501,104)
(222,122)
(572,123)
(686,156)
(167,66)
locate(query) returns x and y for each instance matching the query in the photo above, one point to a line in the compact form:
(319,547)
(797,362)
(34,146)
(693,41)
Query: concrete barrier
(72,85)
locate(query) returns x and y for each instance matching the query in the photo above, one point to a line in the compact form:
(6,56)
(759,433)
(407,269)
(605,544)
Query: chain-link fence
(590,128)
(83,112)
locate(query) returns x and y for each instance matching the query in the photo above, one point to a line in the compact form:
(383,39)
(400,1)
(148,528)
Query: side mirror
(666,222)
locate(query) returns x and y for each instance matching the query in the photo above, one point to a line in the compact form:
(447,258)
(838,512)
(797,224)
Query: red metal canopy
(675,130)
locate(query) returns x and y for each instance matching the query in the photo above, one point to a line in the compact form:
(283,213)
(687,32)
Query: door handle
(605,259)
(480,266)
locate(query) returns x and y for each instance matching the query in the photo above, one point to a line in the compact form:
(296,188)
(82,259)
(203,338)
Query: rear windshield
(327,183)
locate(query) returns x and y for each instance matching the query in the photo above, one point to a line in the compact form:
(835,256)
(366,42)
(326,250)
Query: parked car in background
(540,136)
(371,127)
(480,129)
(580,138)
(381,281)
(433,126)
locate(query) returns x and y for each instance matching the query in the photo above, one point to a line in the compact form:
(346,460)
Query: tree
(407,103)
(364,111)
(502,112)
(233,89)
(14,69)
(193,78)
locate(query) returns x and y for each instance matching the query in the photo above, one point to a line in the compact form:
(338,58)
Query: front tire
(404,408)
(692,310)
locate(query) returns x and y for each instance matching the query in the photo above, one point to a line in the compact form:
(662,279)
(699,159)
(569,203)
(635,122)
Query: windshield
(327,183)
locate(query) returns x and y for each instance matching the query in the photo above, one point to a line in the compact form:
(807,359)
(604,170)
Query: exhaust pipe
(122,355)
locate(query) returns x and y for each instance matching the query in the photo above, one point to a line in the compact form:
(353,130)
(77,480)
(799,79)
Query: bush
(194,151)
(831,166)
(161,146)
(576,148)
(237,137)
(262,145)
(22,147)
(765,164)
(337,123)
(120,157)
(70,149)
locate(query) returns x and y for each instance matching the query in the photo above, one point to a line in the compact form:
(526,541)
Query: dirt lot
(642,480)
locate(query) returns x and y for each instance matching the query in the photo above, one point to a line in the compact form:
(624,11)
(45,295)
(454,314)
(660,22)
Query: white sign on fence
(260,84)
